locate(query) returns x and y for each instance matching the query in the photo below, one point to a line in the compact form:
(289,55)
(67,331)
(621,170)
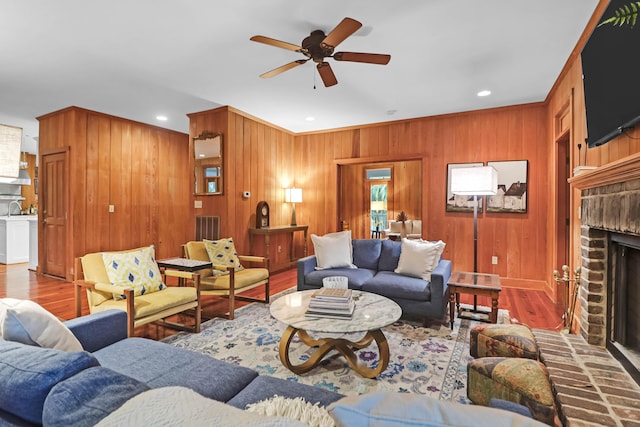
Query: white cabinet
(14,239)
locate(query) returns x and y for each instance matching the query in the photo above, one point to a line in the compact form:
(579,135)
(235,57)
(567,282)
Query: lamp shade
(293,195)
(479,180)
(378,205)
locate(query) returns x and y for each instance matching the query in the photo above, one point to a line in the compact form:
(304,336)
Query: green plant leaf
(625,15)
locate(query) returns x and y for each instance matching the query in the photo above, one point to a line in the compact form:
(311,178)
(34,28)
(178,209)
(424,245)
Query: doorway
(562,202)
(53,244)
(380,188)
(356,209)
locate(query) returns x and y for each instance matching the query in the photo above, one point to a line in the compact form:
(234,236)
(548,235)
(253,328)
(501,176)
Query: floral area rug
(425,360)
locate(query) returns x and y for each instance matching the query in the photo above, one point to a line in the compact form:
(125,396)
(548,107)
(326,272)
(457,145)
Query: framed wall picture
(512,187)
(457,203)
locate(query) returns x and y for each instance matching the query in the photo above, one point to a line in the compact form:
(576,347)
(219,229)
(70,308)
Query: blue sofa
(39,385)
(376,261)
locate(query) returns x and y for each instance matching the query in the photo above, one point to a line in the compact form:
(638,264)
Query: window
(378,180)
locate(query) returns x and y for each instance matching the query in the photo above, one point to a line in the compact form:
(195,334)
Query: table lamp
(293,196)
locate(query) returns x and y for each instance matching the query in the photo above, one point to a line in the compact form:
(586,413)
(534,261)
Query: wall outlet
(112,208)
(197,204)
(494,260)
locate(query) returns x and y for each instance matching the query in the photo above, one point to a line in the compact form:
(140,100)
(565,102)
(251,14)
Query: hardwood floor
(528,306)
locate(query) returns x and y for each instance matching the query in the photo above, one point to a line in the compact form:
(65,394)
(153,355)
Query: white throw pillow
(407,409)
(333,250)
(418,258)
(28,323)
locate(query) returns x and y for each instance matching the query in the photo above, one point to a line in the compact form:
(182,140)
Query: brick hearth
(591,387)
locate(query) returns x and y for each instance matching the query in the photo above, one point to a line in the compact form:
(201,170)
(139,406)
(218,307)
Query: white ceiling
(138,59)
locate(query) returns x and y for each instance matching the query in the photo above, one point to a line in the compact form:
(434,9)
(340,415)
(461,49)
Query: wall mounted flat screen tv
(611,73)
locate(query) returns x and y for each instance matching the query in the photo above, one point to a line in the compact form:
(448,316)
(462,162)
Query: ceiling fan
(318,46)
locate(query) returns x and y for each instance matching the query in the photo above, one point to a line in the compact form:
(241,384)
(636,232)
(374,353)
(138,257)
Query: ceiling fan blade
(283,68)
(326,73)
(369,58)
(276,43)
(345,28)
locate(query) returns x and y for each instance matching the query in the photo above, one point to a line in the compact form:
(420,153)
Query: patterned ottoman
(522,381)
(510,340)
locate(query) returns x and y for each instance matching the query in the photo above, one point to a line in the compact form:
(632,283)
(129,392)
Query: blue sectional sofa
(376,261)
(58,388)
(120,381)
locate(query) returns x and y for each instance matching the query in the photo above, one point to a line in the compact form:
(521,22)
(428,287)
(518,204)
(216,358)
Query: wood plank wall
(142,170)
(259,158)
(513,133)
(569,90)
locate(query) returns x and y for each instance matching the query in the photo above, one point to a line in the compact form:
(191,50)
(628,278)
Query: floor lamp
(293,196)
(474,181)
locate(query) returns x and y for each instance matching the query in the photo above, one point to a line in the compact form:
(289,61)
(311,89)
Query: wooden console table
(278,229)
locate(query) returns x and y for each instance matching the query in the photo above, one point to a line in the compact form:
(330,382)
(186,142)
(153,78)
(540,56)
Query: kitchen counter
(15,238)
(19,218)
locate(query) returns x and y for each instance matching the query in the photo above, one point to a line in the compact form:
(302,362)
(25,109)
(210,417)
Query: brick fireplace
(591,386)
(610,234)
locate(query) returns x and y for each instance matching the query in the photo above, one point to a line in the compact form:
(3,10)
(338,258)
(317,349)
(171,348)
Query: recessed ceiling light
(310,118)
(484,93)
(162,118)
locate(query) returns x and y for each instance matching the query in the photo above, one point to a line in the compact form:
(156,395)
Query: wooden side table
(183,265)
(268,231)
(476,284)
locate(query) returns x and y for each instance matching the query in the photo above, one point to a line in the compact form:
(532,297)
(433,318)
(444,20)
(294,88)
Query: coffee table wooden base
(341,345)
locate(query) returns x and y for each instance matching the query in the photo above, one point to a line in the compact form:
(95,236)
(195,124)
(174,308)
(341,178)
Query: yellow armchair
(231,284)
(90,274)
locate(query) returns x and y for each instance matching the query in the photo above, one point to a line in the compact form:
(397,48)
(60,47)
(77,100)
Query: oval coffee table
(371,314)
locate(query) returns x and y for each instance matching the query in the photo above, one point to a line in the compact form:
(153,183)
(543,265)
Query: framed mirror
(208,163)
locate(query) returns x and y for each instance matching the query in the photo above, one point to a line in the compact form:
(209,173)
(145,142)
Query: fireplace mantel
(625,169)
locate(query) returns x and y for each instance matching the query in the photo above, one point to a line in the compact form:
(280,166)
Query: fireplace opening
(623,309)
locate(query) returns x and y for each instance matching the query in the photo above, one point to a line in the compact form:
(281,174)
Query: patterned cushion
(522,381)
(222,253)
(135,270)
(508,340)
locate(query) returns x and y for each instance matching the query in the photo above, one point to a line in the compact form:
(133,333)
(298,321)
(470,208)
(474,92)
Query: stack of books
(331,302)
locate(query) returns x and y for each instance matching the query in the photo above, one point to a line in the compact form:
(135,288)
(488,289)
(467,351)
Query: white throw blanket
(180,406)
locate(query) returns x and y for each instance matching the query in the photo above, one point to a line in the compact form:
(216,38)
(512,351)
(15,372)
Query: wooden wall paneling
(138,216)
(114,161)
(97,175)
(499,134)
(251,139)
(277,154)
(78,229)
(119,184)
(353,209)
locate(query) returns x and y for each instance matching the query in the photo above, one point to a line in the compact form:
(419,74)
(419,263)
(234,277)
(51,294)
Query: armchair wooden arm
(229,285)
